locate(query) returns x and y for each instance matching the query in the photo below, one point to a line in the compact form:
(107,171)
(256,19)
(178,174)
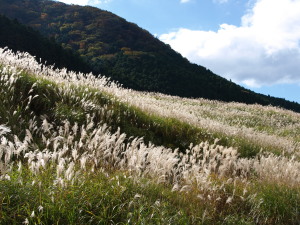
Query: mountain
(127,53)
(18,37)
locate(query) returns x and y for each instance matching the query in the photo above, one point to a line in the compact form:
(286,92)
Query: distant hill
(19,37)
(128,53)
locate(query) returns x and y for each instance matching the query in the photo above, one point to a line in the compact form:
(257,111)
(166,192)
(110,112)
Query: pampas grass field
(76,149)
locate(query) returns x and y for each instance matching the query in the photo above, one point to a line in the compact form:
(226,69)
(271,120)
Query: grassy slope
(111,196)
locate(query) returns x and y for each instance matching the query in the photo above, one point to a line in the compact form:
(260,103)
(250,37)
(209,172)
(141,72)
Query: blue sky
(255,43)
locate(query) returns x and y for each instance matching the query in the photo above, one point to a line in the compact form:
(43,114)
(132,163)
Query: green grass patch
(97,198)
(276,204)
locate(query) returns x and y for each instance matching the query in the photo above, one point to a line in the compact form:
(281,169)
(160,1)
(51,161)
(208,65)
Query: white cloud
(264,50)
(85,2)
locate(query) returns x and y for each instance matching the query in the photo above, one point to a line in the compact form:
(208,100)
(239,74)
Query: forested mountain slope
(127,53)
(19,37)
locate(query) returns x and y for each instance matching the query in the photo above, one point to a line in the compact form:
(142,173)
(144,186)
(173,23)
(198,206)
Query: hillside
(18,37)
(66,155)
(127,53)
